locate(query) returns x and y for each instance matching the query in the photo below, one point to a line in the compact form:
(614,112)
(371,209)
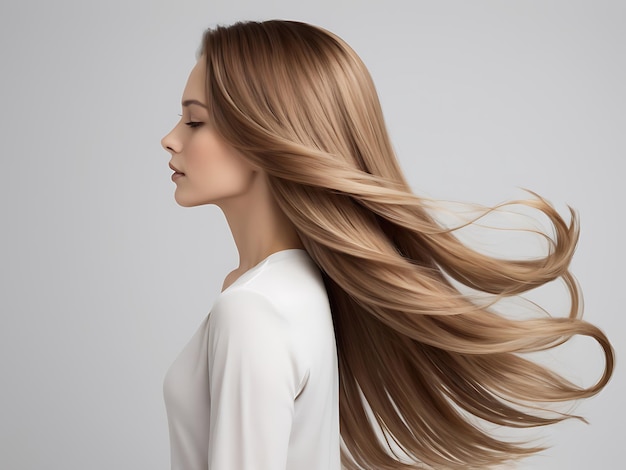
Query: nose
(170,143)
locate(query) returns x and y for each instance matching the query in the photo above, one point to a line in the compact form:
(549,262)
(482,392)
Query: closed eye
(192,124)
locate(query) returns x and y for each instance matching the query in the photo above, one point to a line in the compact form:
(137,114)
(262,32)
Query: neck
(259,227)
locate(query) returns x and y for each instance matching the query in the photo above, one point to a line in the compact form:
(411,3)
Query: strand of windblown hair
(448,319)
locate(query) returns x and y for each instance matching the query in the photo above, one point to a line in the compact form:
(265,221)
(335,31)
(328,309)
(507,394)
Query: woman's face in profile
(207,169)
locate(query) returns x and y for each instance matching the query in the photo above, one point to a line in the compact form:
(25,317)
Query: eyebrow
(189,102)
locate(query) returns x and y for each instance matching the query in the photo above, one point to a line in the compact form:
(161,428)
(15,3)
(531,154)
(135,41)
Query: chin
(185,202)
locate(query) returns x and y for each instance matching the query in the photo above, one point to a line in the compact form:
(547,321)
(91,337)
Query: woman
(343,291)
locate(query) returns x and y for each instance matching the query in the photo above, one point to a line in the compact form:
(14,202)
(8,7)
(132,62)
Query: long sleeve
(257,386)
(253,381)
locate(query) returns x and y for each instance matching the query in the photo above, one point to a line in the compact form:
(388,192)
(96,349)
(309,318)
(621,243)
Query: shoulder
(245,322)
(282,299)
(250,340)
(279,314)
(242,303)
(288,281)
(286,293)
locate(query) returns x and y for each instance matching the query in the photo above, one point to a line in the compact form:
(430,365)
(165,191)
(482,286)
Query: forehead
(194,89)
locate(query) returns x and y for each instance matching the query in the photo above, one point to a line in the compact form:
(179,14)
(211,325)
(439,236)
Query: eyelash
(192,124)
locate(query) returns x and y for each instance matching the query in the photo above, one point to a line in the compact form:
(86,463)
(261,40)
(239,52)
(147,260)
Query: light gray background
(105,278)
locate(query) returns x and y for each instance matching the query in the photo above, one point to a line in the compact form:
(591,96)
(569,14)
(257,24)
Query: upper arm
(253,378)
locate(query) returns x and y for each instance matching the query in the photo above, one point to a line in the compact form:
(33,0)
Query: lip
(177,173)
(175,170)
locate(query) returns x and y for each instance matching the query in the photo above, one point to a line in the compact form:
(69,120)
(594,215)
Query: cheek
(198,155)
(216,167)
(230,174)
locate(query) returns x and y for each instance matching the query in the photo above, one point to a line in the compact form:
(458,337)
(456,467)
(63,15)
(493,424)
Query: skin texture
(216,173)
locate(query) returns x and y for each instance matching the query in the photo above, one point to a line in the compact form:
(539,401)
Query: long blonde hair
(427,359)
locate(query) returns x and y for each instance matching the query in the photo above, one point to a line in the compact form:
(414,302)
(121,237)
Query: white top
(257,386)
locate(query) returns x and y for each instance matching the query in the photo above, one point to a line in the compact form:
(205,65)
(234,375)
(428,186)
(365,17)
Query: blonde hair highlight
(299,103)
